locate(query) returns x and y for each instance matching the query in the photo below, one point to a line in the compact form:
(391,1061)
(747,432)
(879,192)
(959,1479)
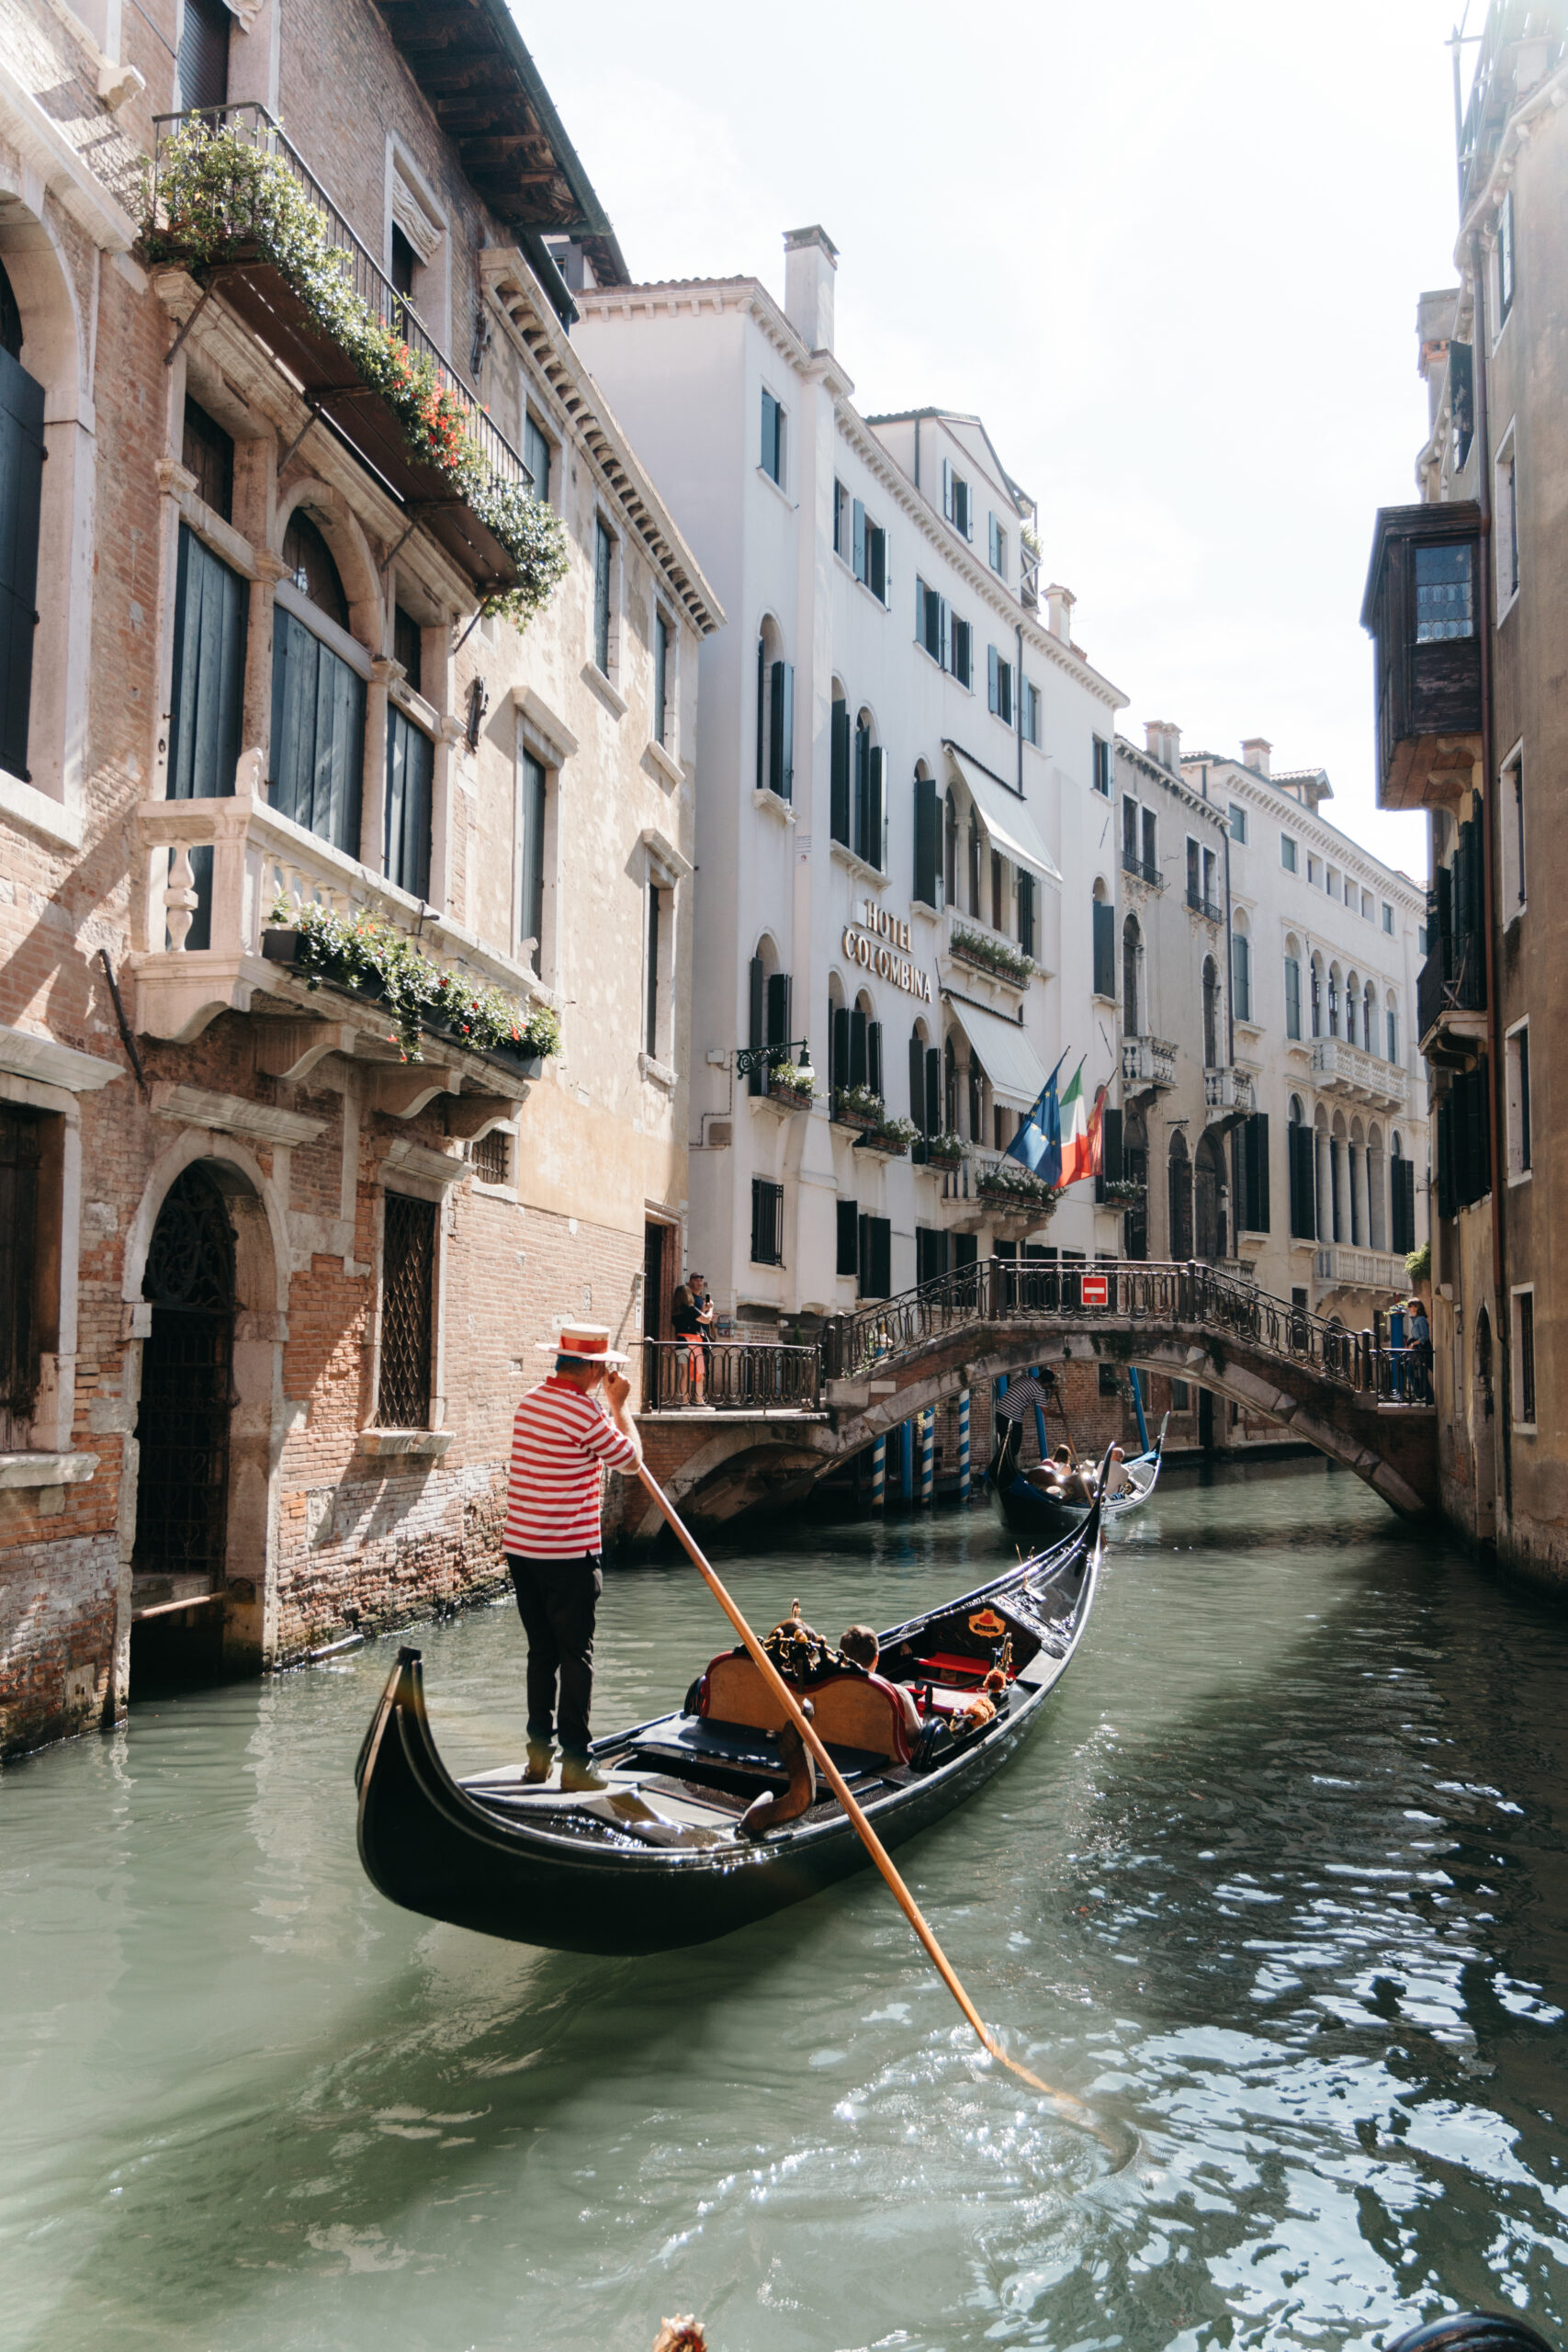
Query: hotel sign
(879,942)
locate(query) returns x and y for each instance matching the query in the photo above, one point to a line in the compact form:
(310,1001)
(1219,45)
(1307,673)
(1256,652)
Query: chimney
(1254,753)
(1059,603)
(1164,742)
(811,262)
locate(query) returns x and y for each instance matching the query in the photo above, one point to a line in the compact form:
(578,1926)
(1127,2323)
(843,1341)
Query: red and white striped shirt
(560,1439)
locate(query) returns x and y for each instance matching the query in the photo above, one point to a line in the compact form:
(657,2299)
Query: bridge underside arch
(738,1466)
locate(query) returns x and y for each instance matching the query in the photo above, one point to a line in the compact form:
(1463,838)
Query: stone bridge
(779,1417)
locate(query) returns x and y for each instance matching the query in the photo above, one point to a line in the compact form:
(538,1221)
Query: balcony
(1338,1268)
(1199,905)
(1142,869)
(1450,999)
(1149,1064)
(259,858)
(1422,607)
(1228,1098)
(238,175)
(1343,1068)
(974,957)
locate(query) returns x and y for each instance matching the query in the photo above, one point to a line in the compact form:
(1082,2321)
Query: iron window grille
(408,1312)
(491,1157)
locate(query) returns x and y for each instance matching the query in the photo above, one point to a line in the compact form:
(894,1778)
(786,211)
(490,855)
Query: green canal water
(1279,1888)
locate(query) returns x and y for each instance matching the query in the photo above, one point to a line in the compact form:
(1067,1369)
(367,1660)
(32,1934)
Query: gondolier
(563,1440)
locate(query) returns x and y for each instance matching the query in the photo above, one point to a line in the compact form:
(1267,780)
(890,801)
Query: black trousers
(557,1601)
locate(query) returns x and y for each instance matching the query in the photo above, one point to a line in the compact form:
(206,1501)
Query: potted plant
(892,1137)
(787,1082)
(946,1150)
(1121,1191)
(367,956)
(859,1106)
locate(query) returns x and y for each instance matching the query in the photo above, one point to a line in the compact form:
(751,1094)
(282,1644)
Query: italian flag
(1083,1132)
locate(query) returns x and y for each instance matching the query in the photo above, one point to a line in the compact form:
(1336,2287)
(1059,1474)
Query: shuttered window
(1304,1182)
(211,603)
(1026,911)
(1241,976)
(411,775)
(407,1313)
(848,1260)
(660,678)
(870,771)
(1104,948)
(651,1023)
(1292,997)
(1402,1204)
(604,550)
(781,730)
(927,842)
(20,1133)
(531,878)
(772,453)
(756,1016)
(21,487)
(537,457)
(1464,1173)
(204,54)
(1250,1173)
(208,452)
(318,734)
(839,793)
(875,1257)
(767,1222)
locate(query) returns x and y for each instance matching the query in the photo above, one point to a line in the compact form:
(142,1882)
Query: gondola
(658,1860)
(1029,1513)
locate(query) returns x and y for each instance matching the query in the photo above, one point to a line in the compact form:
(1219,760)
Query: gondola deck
(656,1860)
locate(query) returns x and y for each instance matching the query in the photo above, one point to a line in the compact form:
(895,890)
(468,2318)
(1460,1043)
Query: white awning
(1004,1054)
(1006,818)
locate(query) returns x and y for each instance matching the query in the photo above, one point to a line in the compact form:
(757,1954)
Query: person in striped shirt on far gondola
(562,1441)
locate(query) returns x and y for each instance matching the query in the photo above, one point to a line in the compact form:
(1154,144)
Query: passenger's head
(682,1297)
(860,1647)
(1064,1455)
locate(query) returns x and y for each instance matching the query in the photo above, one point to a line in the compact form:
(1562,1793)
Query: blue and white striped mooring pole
(964,1445)
(879,1475)
(928,1456)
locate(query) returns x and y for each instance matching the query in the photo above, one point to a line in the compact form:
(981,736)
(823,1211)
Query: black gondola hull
(429,1846)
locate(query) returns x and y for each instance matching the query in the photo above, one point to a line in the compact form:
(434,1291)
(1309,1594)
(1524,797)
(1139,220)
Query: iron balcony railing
(1204,907)
(1004,1290)
(252,124)
(1143,869)
(1452,978)
(730,1376)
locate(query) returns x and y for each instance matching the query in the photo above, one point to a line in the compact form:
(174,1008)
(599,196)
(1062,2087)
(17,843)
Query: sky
(1170,255)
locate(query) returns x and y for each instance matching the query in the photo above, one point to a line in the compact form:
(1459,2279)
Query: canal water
(1278,1889)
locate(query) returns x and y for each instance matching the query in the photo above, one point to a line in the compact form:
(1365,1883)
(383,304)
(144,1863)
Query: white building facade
(898,748)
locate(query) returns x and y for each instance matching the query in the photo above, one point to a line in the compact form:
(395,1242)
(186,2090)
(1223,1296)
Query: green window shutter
(761,715)
(778,1009)
(859,565)
(602,553)
(839,1055)
(21,491)
(991,670)
(839,808)
(928,839)
(880,1256)
(877,567)
(781,748)
(877,801)
(531,889)
(917,1082)
(933,1090)
(947,489)
(857,1049)
(757,991)
(1026,912)
(874,1056)
(211,609)
(1111,1119)
(411,773)
(1104,948)
(849,1238)
(1257,1171)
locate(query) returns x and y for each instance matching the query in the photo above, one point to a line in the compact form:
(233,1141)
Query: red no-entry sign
(1096,1290)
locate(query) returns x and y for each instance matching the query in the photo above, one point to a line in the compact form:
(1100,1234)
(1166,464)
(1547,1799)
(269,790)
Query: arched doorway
(182,1429)
(1180,1197)
(1209,1199)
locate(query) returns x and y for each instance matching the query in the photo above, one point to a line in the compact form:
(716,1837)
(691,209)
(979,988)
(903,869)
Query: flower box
(367,957)
(886,1142)
(794,1098)
(992,955)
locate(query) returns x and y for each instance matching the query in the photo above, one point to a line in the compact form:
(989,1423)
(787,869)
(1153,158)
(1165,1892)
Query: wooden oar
(1070,2107)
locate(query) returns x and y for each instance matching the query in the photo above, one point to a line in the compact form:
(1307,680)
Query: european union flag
(1038,1143)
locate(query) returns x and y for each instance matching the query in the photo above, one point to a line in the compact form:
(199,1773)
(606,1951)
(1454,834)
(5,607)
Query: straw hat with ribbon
(589,1343)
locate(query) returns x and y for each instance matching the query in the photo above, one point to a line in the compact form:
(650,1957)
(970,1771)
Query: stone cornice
(1319,834)
(234,1115)
(24,1054)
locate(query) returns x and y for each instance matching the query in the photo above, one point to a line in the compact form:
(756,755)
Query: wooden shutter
(1253,1205)
(933,1090)
(1112,1129)
(210,609)
(20,1136)
(880,1255)
(860,562)
(757,1082)
(762,715)
(411,775)
(1304,1172)
(875,802)
(781,745)
(1104,948)
(918,1083)
(778,1009)
(928,839)
(966,1250)
(876,563)
(848,1237)
(21,488)
(863,761)
(839,811)
(947,487)
(1026,911)
(757,1212)
(993,672)
(204,54)
(857,1047)
(874,1056)
(318,735)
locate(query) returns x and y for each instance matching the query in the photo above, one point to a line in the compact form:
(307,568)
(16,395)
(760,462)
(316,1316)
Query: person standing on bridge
(562,1442)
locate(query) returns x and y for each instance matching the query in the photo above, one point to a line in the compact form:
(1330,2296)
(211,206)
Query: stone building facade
(270,1288)
(898,745)
(1464,599)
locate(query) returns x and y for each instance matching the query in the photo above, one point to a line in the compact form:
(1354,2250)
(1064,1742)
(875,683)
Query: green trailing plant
(1419,1265)
(993,956)
(368,954)
(220,194)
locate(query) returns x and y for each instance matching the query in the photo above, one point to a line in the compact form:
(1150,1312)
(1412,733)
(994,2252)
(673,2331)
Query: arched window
(1317,996)
(1131,977)
(1210,1013)
(1352,1006)
(1209,1197)
(950,850)
(975,906)
(1333,987)
(1241,970)
(1391,1022)
(318,678)
(1292,987)
(865,1045)
(870,792)
(925,1082)
(976,1100)
(1180,1188)
(1369,1038)
(1104,943)
(1304,1175)
(842,791)
(950,1087)
(767,1008)
(775,715)
(1377,1191)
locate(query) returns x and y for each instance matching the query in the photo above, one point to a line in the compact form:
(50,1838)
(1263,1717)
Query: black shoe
(541,1756)
(578,1776)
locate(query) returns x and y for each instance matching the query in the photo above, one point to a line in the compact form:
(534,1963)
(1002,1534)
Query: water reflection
(1280,1885)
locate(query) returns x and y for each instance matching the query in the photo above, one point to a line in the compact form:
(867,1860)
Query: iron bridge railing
(730,1376)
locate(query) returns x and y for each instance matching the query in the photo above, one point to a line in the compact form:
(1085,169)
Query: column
(373,807)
